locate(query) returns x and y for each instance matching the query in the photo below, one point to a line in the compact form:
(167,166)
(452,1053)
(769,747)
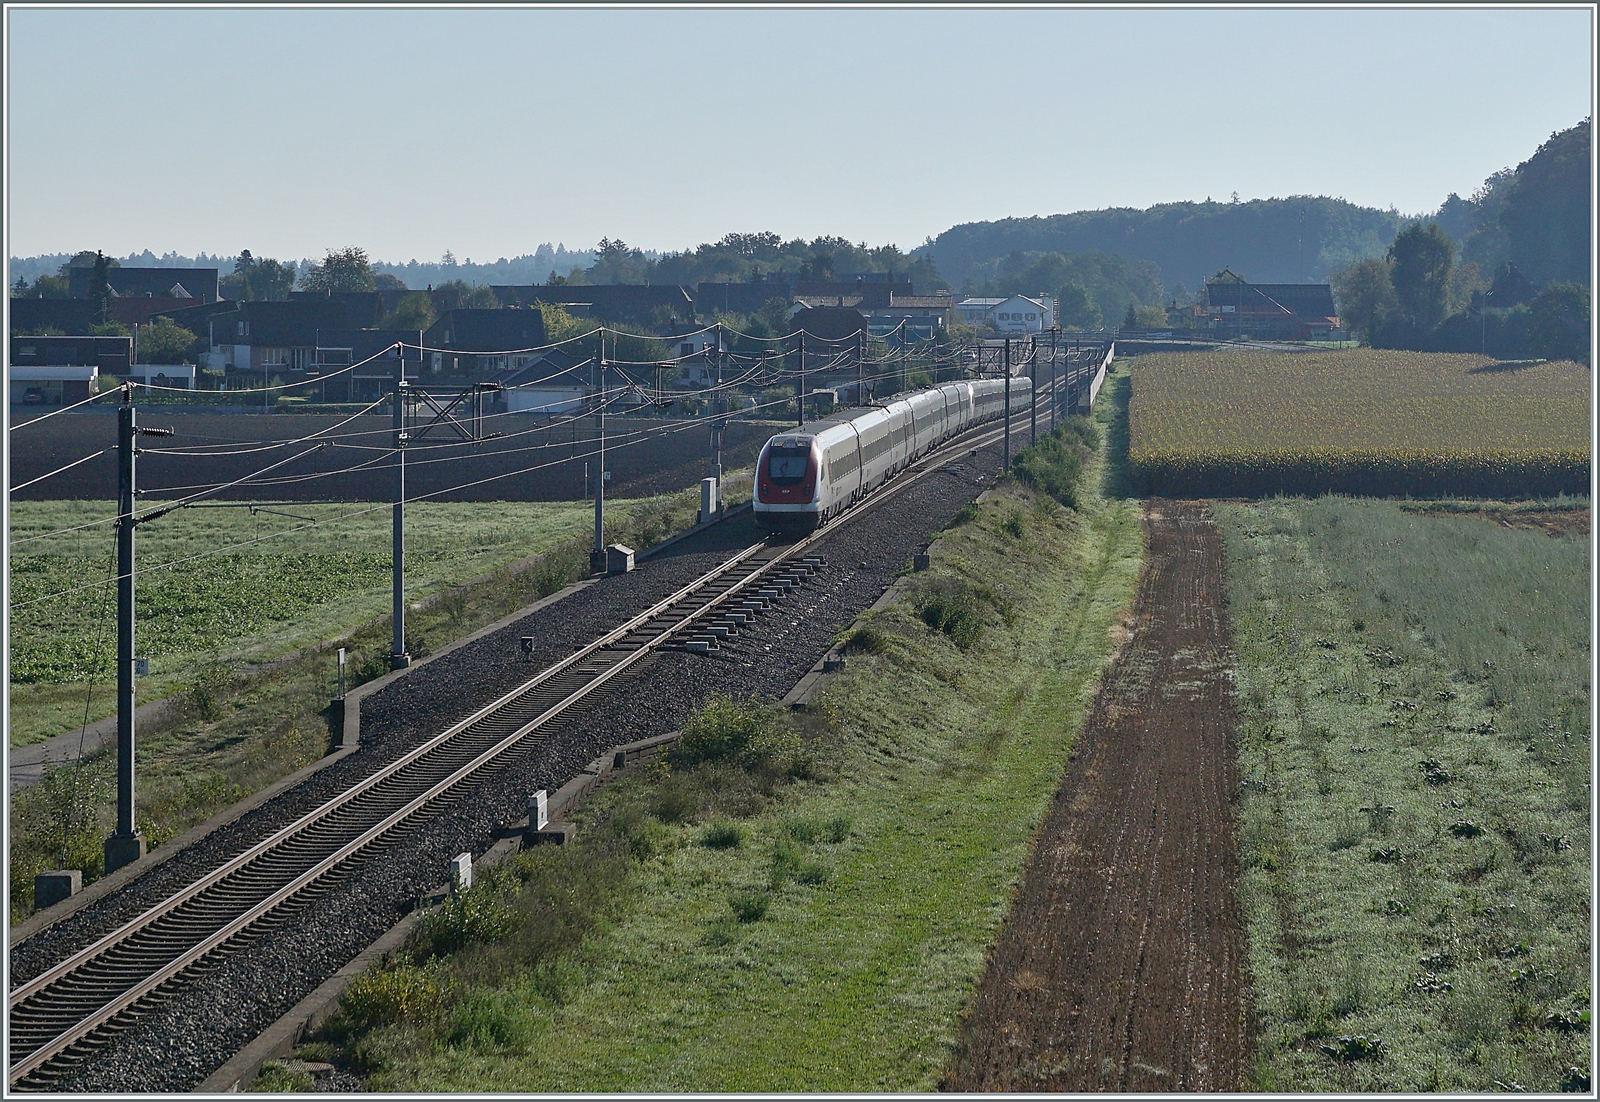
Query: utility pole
(905,362)
(1055,398)
(597,557)
(399,657)
(861,367)
(1033,390)
(721,406)
(127,844)
(800,385)
(1007,363)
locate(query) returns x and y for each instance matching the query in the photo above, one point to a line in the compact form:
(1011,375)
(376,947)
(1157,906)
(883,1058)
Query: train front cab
(787,478)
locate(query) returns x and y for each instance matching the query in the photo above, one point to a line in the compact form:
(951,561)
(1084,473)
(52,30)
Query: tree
(1547,206)
(750,244)
(414,311)
(258,280)
(818,267)
(1130,320)
(559,325)
(1078,308)
(459,295)
(383,281)
(86,259)
(1420,262)
(1149,317)
(1558,323)
(346,269)
(1365,297)
(164,342)
(615,262)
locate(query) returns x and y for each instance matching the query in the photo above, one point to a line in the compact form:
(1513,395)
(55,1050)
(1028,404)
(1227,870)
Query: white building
(1017,314)
(1021,314)
(975,311)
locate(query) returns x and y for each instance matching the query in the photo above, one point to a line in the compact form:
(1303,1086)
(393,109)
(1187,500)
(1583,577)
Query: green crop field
(1363,421)
(235,586)
(1415,747)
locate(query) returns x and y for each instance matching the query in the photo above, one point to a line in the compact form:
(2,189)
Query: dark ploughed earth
(1120,964)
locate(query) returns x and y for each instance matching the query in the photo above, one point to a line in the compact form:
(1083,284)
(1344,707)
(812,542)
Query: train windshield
(787,464)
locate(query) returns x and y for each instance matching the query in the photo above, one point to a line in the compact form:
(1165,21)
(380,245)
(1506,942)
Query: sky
(485,132)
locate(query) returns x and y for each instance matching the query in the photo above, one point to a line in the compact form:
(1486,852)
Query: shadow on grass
(1116,478)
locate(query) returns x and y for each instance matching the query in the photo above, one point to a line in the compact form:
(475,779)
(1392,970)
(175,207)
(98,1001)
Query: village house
(57,371)
(1270,311)
(198,284)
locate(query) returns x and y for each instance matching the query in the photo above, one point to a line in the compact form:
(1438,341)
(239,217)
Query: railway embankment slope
(812,910)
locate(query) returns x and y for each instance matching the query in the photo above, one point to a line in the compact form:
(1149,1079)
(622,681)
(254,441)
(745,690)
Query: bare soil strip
(1120,965)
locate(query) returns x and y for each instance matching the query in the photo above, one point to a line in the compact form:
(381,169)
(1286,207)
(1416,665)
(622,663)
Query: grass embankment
(809,907)
(1362,421)
(1414,695)
(233,734)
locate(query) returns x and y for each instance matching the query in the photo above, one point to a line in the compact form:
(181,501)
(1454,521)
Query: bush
(388,995)
(790,862)
(835,830)
(740,731)
(489,1019)
(1054,465)
(954,610)
(723,835)
(965,515)
(1357,1047)
(476,916)
(868,639)
(749,906)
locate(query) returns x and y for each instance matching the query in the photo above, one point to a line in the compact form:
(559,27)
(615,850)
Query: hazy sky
(486,132)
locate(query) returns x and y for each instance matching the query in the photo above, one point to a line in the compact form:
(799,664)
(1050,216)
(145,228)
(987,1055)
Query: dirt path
(1120,965)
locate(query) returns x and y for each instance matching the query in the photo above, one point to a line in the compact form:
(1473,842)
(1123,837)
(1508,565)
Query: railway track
(64,1015)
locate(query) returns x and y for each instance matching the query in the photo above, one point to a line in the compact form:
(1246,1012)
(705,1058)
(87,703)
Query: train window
(787,466)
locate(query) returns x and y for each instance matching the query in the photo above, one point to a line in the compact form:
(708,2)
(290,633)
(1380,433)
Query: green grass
(832,940)
(1415,748)
(254,602)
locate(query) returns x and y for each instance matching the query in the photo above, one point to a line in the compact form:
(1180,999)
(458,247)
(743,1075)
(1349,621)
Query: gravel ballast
(174,1047)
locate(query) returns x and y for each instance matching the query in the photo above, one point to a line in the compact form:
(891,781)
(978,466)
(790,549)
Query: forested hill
(1265,240)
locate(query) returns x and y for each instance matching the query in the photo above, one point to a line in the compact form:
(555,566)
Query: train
(808,475)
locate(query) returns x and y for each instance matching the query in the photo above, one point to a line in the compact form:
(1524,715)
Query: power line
(58,470)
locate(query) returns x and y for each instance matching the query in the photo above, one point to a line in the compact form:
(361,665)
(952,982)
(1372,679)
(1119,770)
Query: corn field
(1362,421)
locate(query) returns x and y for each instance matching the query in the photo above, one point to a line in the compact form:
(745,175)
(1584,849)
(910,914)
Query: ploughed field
(1360,421)
(1119,966)
(532,461)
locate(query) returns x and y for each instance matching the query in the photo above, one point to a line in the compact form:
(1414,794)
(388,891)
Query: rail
(58,1016)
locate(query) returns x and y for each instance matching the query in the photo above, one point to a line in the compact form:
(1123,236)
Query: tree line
(1516,284)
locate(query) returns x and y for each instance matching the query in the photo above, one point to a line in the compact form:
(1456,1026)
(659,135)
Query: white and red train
(807,475)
